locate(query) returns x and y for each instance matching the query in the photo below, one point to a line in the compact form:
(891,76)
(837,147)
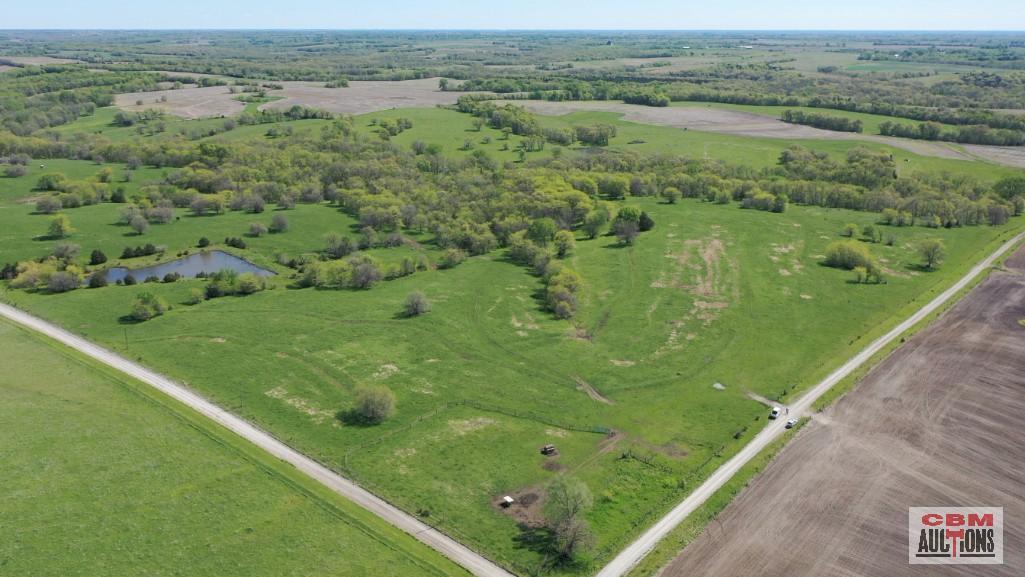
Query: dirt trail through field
(939,422)
(710,119)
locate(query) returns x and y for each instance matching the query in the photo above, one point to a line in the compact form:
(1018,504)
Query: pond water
(188,267)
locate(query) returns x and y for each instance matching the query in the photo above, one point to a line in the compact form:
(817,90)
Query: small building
(507,501)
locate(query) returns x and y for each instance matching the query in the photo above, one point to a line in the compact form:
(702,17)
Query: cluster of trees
(229,282)
(359,271)
(645,97)
(56,273)
(818,120)
(968,134)
(854,256)
(137,251)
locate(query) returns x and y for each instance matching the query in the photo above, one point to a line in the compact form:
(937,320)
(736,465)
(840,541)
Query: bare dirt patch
(939,421)
(586,387)
(200,102)
(470,425)
(359,98)
(1009,155)
(528,509)
(36,60)
(363,96)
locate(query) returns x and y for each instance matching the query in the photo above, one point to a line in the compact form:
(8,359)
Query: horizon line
(621,30)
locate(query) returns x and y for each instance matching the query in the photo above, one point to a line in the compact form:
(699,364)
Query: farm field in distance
(130,483)
(531,288)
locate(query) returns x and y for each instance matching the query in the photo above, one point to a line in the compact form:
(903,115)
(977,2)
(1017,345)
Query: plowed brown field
(939,422)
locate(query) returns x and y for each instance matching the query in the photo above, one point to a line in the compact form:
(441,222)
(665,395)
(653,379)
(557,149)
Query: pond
(190,266)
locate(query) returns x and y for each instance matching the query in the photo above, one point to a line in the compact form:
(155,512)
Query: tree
(147,306)
(374,405)
(278,223)
(203,242)
(97,280)
(1010,187)
(645,222)
(849,230)
(66,251)
(564,243)
(627,224)
(15,171)
(595,222)
(257,229)
(871,234)
(365,275)
(542,231)
(417,304)
(567,502)
(671,194)
(63,281)
(60,226)
(48,205)
(932,252)
(139,224)
(338,246)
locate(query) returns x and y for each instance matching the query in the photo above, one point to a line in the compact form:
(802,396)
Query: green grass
(487,377)
(103,476)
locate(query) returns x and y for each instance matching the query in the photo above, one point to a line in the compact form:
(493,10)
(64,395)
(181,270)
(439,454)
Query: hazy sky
(521,14)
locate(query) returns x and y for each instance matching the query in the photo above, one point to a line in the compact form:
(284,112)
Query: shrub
(63,281)
(848,255)
(60,227)
(417,304)
(97,280)
(196,296)
(97,257)
(66,251)
(15,171)
(203,242)
(249,283)
(451,258)
(374,405)
(48,205)
(278,223)
(147,306)
(257,229)
(139,224)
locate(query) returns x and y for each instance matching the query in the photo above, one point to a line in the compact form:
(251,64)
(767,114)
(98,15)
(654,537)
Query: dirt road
(471,561)
(938,423)
(629,557)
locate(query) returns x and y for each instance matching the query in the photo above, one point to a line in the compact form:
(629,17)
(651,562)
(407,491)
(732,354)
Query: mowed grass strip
(102,476)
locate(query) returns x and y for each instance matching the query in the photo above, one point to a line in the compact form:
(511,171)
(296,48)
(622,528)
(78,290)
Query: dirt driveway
(940,422)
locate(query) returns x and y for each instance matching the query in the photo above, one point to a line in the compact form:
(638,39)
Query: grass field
(103,477)
(487,377)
